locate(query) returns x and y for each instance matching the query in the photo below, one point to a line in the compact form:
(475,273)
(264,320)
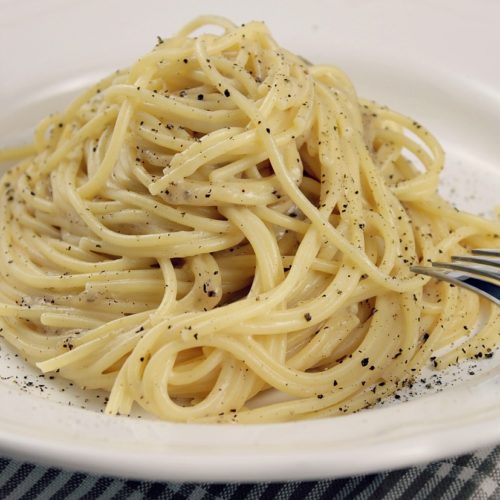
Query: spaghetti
(224,218)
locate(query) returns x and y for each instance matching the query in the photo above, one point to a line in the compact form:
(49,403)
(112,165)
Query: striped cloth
(475,476)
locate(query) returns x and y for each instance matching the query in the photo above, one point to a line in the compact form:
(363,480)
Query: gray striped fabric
(475,476)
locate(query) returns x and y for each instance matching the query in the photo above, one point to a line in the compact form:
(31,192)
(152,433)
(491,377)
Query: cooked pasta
(225,219)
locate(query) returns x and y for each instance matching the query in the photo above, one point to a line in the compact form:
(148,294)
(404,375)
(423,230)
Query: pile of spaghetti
(224,219)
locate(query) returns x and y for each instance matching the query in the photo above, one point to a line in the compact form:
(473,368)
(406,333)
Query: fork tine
(486,251)
(484,261)
(484,288)
(469,270)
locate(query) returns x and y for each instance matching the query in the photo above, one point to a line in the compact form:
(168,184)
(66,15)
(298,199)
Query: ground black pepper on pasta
(223,219)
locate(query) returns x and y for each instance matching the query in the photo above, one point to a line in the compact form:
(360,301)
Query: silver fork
(480,273)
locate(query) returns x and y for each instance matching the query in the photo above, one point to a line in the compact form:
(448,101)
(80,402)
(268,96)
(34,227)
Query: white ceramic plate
(433,60)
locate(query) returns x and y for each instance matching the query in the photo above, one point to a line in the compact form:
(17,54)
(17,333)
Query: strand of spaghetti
(298,197)
(269,268)
(88,130)
(12,154)
(88,343)
(219,319)
(153,240)
(96,183)
(256,357)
